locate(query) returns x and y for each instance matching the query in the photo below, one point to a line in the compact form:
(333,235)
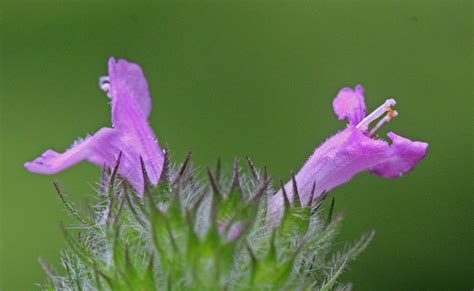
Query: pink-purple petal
(349,152)
(333,163)
(51,162)
(402,156)
(344,155)
(131,133)
(128,79)
(349,103)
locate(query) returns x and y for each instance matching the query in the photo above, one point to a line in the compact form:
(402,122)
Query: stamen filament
(104,84)
(364,124)
(391,114)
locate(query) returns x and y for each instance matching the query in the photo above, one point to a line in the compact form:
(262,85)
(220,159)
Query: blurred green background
(257,78)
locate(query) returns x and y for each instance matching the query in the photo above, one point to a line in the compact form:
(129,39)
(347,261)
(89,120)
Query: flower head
(130,134)
(353,150)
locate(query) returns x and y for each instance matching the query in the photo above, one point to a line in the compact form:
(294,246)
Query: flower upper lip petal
(349,103)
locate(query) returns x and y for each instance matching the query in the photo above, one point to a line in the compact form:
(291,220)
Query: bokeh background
(256,78)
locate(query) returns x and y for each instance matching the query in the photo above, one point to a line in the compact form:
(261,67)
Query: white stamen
(104,84)
(364,124)
(391,114)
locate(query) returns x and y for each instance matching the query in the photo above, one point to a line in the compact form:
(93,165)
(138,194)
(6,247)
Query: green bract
(188,235)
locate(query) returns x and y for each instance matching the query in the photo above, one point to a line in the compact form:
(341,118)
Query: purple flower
(130,134)
(353,150)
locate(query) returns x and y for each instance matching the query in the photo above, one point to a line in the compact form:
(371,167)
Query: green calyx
(188,235)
